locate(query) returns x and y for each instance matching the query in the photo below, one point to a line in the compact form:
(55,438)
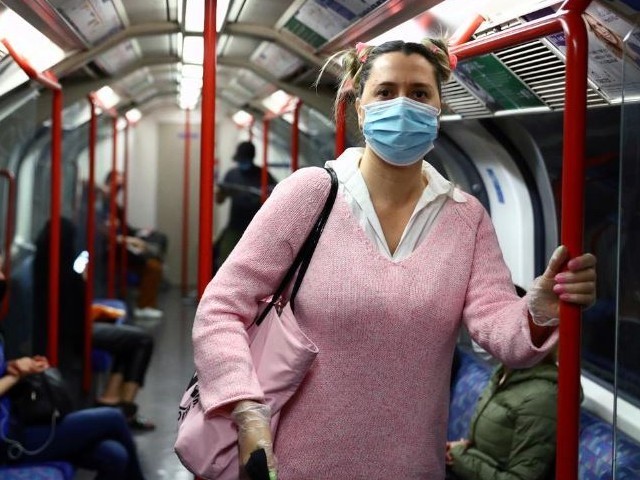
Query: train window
(601,238)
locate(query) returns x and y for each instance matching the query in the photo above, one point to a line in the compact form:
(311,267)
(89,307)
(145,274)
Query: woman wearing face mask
(404,260)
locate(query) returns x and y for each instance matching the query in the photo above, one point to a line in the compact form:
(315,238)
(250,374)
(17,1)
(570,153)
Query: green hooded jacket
(513,430)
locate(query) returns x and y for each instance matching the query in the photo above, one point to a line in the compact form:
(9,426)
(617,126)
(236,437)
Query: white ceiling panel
(94,20)
(118,57)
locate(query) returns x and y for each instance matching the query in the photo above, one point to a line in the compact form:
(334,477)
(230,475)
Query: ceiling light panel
(193,50)
(28,42)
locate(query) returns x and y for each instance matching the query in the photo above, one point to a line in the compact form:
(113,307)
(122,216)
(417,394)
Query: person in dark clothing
(95,439)
(243,185)
(130,345)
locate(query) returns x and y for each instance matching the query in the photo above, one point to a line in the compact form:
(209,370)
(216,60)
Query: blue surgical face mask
(400,131)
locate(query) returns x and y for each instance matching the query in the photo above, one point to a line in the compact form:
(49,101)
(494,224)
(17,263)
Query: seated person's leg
(82,435)
(149,286)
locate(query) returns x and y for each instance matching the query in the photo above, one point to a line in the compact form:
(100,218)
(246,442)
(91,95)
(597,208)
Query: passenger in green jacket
(513,430)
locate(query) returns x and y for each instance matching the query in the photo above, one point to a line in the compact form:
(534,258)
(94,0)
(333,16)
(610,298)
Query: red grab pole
(9,221)
(111,272)
(573,174)
(54,247)
(185,202)
(50,81)
(207,142)
(264,177)
(466,31)
(295,136)
(91,233)
(341,127)
(123,227)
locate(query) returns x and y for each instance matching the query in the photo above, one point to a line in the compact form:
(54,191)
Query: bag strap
(303,259)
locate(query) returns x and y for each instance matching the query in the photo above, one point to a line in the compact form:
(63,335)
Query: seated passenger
(513,430)
(145,251)
(130,345)
(94,439)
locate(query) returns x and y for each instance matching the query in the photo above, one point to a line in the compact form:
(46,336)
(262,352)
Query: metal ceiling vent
(461,102)
(543,72)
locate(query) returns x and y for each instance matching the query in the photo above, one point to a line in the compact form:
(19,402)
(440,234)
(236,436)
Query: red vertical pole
(123,227)
(111,273)
(571,218)
(264,178)
(54,244)
(207,142)
(295,136)
(91,233)
(341,127)
(185,202)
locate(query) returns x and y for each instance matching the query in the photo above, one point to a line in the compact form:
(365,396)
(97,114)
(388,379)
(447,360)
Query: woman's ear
(360,113)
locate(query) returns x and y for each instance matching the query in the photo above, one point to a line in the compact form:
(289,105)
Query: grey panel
(141,11)
(156,45)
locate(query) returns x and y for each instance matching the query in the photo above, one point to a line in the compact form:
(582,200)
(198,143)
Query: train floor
(169,372)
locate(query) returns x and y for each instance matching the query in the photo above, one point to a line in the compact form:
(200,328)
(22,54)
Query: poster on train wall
(607,49)
(318,21)
(495,85)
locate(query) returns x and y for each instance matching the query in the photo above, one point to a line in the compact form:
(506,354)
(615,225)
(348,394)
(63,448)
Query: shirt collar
(346,166)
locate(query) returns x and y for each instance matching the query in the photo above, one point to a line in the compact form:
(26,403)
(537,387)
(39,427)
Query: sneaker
(147,312)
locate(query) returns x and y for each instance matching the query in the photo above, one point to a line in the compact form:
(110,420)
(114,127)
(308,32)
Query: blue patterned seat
(470,380)
(596,451)
(40,471)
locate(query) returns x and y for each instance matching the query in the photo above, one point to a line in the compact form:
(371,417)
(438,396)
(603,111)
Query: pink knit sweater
(375,403)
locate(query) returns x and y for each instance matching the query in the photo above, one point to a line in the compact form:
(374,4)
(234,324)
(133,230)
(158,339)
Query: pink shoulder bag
(282,355)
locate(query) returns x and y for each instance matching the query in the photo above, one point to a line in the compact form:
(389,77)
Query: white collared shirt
(354,189)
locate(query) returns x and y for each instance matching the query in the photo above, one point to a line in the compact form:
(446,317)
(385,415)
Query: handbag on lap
(282,355)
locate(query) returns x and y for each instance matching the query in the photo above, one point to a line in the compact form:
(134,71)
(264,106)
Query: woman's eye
(420,95)
(383,92)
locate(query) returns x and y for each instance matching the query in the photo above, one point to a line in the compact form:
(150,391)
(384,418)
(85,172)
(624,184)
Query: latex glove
(576,285)
(254,431)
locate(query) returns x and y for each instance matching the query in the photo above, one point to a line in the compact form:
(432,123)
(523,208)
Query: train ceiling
(148,51)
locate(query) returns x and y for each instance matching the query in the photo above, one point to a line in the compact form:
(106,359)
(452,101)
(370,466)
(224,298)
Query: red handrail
(466,30)
(207,151)
(49,80)
(341,127)
(264,177)
(124,228)
(185,202)
(46,79)
(571,221)
(8,236)
(111,254)
(91,235)
(567,19)
(295,136)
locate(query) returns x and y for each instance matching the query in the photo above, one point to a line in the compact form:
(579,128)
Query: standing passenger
(405,259)
(243,184)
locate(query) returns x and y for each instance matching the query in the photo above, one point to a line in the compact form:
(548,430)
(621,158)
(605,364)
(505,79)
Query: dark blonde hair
(356,63)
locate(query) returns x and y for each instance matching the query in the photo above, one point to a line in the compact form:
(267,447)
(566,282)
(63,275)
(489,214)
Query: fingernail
(560,277)
(558,289)
(565,297)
